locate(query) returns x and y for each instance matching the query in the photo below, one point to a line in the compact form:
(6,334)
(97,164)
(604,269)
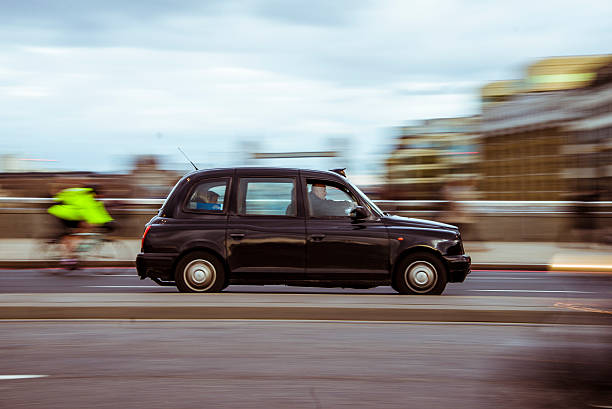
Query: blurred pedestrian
(584,225)
(456,212)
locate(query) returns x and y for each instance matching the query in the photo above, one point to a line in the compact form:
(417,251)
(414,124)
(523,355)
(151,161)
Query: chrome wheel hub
(200,274)
(421,276)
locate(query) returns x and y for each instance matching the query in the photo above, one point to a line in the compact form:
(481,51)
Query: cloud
(314,12)
(212,74)
(437,88)
(24,92)
(351,42)
(93,15)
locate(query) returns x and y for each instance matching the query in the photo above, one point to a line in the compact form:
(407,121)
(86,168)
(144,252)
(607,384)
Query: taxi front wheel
(420,273)
(199,272)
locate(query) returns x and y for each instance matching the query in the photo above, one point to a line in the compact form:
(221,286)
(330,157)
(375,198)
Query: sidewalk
(24,253)
(540,256)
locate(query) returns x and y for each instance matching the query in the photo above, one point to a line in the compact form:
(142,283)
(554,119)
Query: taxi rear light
(143,237)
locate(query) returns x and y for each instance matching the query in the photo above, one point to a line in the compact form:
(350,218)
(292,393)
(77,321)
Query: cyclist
(78,210)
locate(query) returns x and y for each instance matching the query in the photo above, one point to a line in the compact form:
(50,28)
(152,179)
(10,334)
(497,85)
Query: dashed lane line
(116,275)
(120,286)
(534,291)
(9,377)
(505,278)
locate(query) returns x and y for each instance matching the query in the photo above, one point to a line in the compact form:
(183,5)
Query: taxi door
(266,235)
(337,246)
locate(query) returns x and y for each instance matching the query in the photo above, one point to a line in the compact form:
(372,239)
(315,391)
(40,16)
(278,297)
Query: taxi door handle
(237,236)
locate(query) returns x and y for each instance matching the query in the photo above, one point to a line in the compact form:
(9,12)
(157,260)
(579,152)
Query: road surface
(259,364)
(478,283)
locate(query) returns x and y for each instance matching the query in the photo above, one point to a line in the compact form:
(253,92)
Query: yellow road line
(583,308)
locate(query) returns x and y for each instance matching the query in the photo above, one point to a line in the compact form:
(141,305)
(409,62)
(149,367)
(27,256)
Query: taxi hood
(391,220)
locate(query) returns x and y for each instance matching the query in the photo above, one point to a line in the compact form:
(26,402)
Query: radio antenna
(179,148)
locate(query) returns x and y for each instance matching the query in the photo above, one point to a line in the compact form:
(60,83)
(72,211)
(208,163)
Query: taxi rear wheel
(199,272)
(420,274)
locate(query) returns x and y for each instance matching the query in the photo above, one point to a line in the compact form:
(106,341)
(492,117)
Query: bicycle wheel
(122,251)
(47,250)
(107,249)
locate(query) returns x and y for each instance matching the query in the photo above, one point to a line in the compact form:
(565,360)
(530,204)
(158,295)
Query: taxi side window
(266,197)
(327,200)
(208,196)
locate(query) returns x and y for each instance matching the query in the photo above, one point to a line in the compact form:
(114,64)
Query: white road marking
(504,278)
(116,275)
(536,291)
(7,377)
(119,286)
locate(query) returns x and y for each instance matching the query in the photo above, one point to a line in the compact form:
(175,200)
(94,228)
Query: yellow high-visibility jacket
(79,204)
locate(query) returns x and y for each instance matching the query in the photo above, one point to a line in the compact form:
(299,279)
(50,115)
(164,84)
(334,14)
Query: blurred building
(589,152)
(431,154)
(145,180)
(547,136)
(41,184)
(148,180)
(11,163)
(499,91)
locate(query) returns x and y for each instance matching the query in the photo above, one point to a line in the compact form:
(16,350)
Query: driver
(320,206)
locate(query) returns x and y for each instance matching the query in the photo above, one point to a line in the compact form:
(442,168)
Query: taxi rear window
(208,196)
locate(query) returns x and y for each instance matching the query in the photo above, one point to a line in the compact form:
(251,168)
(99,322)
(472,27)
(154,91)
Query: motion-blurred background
(494,116)
(448,110)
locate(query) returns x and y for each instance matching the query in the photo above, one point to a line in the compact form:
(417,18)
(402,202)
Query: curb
(33,264)
(391,314)
(506,266)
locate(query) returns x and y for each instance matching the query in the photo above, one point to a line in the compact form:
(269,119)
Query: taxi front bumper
(458,267)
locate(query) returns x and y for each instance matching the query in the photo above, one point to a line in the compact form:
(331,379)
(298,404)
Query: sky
(88,84)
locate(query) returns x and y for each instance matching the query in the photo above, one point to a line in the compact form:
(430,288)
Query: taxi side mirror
(358,213)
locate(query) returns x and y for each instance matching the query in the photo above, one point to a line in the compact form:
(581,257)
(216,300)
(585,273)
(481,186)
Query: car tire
(420,274)
(199,272)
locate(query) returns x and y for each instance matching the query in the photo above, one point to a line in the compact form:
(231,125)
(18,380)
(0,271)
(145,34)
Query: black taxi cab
(295,227)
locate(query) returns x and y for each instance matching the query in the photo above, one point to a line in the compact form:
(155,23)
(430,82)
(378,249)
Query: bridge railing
(491,220)
(475,206)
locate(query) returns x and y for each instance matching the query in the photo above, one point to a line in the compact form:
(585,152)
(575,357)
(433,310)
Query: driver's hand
(349,207)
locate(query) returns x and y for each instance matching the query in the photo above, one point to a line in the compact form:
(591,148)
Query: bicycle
(92,247)
(98,246)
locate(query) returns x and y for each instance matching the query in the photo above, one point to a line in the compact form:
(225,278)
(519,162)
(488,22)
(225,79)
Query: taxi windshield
(370,203)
